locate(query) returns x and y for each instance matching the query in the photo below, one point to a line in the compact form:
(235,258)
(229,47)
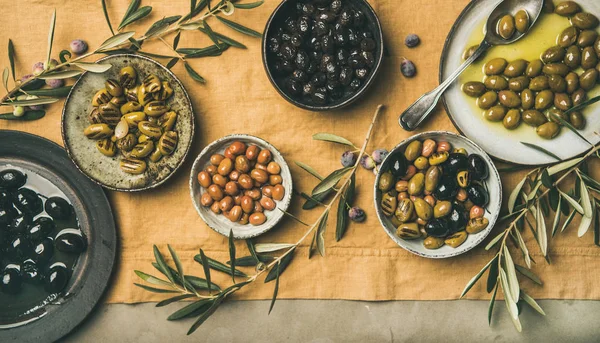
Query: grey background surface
(345,321)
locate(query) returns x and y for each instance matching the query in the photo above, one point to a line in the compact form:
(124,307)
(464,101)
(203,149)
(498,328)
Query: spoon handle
(420,109)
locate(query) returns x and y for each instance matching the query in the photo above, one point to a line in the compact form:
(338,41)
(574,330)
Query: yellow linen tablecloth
(238,98)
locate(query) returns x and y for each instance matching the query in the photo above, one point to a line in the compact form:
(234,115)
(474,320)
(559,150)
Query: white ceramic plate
(493,137)
(221,224)
(494,186)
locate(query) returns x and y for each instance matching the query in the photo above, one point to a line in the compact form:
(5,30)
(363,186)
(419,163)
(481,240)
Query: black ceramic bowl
(286,9)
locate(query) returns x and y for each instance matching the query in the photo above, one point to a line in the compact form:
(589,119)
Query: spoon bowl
(532,7)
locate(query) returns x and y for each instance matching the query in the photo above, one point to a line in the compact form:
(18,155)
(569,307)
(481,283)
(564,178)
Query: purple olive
(357,214)
(348,159)
(412,40)
(38,68)
(379,155)
(408,68)
(55,83)
(78,46)
(367,162)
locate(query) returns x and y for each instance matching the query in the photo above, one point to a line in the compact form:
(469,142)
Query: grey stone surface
(321,321)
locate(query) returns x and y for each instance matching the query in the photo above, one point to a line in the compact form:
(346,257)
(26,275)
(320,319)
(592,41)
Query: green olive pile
(134,119)
(28,238)
(540,91)
(433,192)
(242,183)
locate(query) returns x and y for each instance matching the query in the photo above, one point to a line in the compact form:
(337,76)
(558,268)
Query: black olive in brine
(58,208)
(12,179)
(11,280)
(477,167)
(447,188)
(27,201)
(70,241)
(398,165)
(43,251)
(30,272)
(438,227)
(18,248)
(458,218)
(478,195)
(455,163)
(40,229)
(20,223)
(57,278)
(6,216)
(5,198)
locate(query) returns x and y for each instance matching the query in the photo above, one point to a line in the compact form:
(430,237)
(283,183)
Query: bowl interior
(221,224)
(277,19)
(105,170)
(494,187)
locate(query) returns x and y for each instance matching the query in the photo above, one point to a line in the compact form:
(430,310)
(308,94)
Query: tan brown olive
(247,204)
(206,200)
(515,68)
(527,99)
(433,243)
(588,79)
(264,157)
(226,203)
(548,130)
(278,192)
(215,208)
(242,164)
(107,147)
(477,225)
(584,21)
(442,209)
(259,175)
(522,21)
(495,66)
(429,146)
(275,180)
(509,99)
(252,152)
(168,142)
(539,83)
(273,168)
(577,120)
(167,121)
(533,118)
(438,158)
(487,100)
(127,143)
(567,8)
(562,101)
(554,54)
(573,57)
(237,148)
(544,99)
(389,203)
(257,218)
(556,69)
(456,239)
(432,178)
(512,119)
(98,131)
(495,113)
(386,181)
(413,150)
(579,96)
(568,37)
(231,188)
(204,179)
(235,214)
(267,203)
(506,26)
(519,83)
(408,231)
(416,184)
(496,82)
(587,38)
(215,192)
(133,166)
(255,194)
(534,68)
(589,59)
(225,166)
(474,89)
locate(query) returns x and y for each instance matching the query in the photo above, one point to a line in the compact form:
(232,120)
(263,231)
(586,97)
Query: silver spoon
(418,111)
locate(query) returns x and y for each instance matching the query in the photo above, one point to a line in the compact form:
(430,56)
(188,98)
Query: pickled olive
(98,131)
(216,159)
(11,179)
(438,158)
(413,150)
(573,57)
(463,178)
(548,130)
(152,83)
(215,208)
(386,181)
(584,21)
(519,83)
(477,225)
(496,82)
(401,186)
(143,96)
(404,209)
(132,166)
(478,195)
(579,96)
(204,179)
(131,94)
(244,219)
(473,89)
(487,100)
(215,192)
(562,101)
(556,69)
(242,164)
(259,175)
(587,38)
(461,195)
(134,118)
(515,68)
(588,79)
(131,106)
(544,99)
(509,99)
(527,99)
(225,166)
(168,142)
(533,118)
(231,188)
(577,120)
(458,218)
(264,157)
(423,209)
(442,209)
(278,192)
(567,8)
(456,239)
(118,101)
(247,204)
(246,181)
(155,155)
(572,81)
(568,37)
(101,97)
(495,66)
(506,26)
(127,77)
(557,83)
(534,68)
(167,121)
(109,114)
(142,150)
(476,212)
(512,119)
(255,194)
(455,163)
(267,203)
(260,166)
(107,147)
(416,184)
(150,129)
(408,231)
(267,191)
(469,51)
(522,21)
(155,108)
(446,188)
(589,59)
(252,152)
(429,147)
(437,227)
(477,167)
(273,168)
(165,92)
(421,163)
(226,203)
(235,214)
(410,172)
(433,243)
(94,116)
(127,143)
(238,148)
(554,54)
(275,180)
(257,218)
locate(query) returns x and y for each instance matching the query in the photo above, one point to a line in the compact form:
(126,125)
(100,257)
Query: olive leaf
(133,6)
(508,297)
(161,24)
(216,265)
(283,264)
(572,201)
(250,261)
(276,289)
(62,54)
(309,169)
(172,62)
(528,274)
(586,203)
(321,233)
(531,302)
(546,179)
(542,150)
(160,260)
(494,241)
(232,255)
(194,12)
(472,282)
(5,76)
(51,36)
(204,316)
(145,53)
(154,289)
(190,309)
(585,224)
(557,168)
(28,116)
(568,220)
(491,306)
(11,58)
(107,17)
(330,181)
(52,92)
(492,275)
(569,126)
(176,40)
(210,33)
(224,39)
(271,247)
(115,41)
(31,102)
(192,5)
(329,137)
(523,247)
(137,15)
(293,217)
(597,226)
(204,261)
(583,105)
(152,279)
(190,26)
(178,265)
(65,74)
(239,28)
(213,50)
(512,199)
(511,274)
(344,203)
(556,221)
(93,67)
(249,5)
(541,233)
(174,299)
(252,250)
(589,181)
(313,201)
(193,74)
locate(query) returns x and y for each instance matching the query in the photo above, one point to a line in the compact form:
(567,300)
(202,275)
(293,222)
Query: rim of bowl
(285,202)
(183,158)
(493,173)
(351,99)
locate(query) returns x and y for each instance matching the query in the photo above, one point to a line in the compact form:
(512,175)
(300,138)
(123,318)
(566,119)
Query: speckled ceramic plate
(493,183)
(32,315)
(493,137)
(221,224)
(105,170)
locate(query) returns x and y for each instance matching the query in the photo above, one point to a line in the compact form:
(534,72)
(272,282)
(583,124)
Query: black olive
(478,195)
(334,89)
(308,9)
(308,89)
(458,218)
(455,163)
(299,75)
(288,51)
(477,167)
(332,68)
(5,198)
(367,44)
(398,165)
(6,216)
(296,40)
(342,56)
(358,19)
(319,79)
(11,279)
(27,201)
(42,252)
(304,25)
(356,62)
(336,6)
(12,179)
(355,85)
(325,60)
(366,34)
(447,188)
(31,273)
(326,17)
(40,229)
(316,56)
(286,37)
(319,97)
(437,227)
(312,67)
(58,208)
(327,44)
(287,66)
(368,57)
(292,86)
(290,25)
(345,17)
(353,38)
(346,76)
(362,73)
(341,38)
(57,278)
(321,28)
(18,248)
(274,45)
(20,223)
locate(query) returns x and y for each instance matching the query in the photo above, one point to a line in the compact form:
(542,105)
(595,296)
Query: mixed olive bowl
(220,223)
(350,94)
(492,209)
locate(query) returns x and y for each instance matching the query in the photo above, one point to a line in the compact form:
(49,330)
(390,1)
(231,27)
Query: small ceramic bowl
(284,11)
(218,222)
(103,170)
(494,187)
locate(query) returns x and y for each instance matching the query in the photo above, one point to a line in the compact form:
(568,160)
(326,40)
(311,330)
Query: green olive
(584,21)
(548,6)
(512,119)
(143,96)
(107,147)
(527,99)
(587,80)
(509,99)
(534,68)
(544,99)
(142,149)
(165,92)
(156,155)
(438,158)
(404,210)
(142,138)
(496,82)
(433,243)
(131,94)
(386,181)
(168,142)
(152,83)
(167,121)
(155,108)
(557,83)
(496,113)
(515,68)
(519,83)
(432,178)
(408,231)
(495,66)
(539,83)
(474,89)
(460,151)
(94,116)
(456,239)
(548,130)
(421,163)
(533,118)
(522,21)
(589,59)
(573,57)
(118,101)
(127,143)
(587,38)
(487,100)
(568,37)
(416,184)
(442,209)
(98,131)
(131,106)
(423,209)
(413,150)
(127,77)
(562,101)
(149,129)
(133,166)
(506,26)
(597,47)
(579,96)
(477,225)
(101,97)
(113,87)
(567,8)
(389,203)
(554,54)
(109,114)
(577,120)
(469,51)
(572,81)
(555,113)
(463,178)
(134,118)
(556,69)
